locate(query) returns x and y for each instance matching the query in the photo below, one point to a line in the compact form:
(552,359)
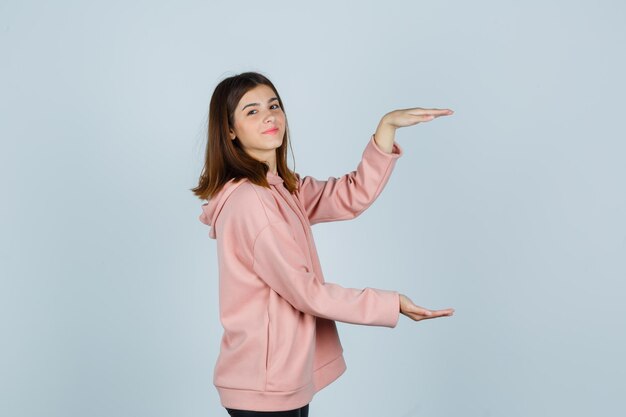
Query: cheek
(246,126)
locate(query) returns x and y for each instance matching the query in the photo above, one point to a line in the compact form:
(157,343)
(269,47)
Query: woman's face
(257,111)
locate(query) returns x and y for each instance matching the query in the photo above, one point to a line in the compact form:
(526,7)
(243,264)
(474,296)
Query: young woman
(280,343)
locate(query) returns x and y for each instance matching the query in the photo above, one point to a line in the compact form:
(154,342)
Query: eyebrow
(256,104)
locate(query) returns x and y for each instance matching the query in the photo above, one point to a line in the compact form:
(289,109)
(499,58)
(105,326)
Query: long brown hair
(225,159)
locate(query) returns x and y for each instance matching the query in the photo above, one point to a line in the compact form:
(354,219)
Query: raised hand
(390,122)
(410,117)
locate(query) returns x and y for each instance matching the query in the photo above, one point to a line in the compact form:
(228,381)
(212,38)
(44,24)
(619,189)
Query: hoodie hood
(211,210)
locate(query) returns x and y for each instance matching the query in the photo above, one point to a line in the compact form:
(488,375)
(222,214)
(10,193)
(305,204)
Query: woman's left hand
(413,116)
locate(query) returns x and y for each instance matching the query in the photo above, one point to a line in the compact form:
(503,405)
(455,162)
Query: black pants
(297,412)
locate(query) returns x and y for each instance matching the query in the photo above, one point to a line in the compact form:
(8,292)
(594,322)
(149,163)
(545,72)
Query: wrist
(385,123)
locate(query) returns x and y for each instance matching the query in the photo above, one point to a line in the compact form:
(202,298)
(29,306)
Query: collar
(273,178)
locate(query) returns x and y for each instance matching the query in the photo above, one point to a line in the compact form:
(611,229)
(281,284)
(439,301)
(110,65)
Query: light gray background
(511,211)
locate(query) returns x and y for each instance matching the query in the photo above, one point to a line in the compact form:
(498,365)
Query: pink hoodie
(280,343)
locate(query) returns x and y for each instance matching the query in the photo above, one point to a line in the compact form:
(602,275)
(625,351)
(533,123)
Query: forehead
(259,92)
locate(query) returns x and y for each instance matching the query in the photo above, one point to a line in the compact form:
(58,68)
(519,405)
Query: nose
(270,117)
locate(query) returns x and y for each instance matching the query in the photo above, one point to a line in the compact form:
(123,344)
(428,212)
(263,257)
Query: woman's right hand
(417,313)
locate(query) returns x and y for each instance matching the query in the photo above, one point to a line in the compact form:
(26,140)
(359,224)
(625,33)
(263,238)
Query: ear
(232,134)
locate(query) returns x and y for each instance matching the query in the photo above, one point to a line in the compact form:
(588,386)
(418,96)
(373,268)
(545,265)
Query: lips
(274,129)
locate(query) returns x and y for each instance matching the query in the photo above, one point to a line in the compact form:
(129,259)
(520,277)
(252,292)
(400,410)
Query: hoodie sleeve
(348,196)
(281,264)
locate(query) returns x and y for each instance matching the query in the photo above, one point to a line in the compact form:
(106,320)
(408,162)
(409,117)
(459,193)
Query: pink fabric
(280,343)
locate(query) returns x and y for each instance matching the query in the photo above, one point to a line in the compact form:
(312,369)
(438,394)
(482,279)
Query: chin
(276,141)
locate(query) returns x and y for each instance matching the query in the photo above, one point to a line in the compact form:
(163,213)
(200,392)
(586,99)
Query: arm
(348,196)
(281,264)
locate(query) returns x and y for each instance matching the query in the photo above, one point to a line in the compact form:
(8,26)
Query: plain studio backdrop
(511,211)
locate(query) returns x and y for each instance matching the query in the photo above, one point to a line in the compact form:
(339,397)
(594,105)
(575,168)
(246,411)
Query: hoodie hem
(328,373)
(242,399)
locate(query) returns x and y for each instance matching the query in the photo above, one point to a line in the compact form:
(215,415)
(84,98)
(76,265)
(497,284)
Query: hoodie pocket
(268,344)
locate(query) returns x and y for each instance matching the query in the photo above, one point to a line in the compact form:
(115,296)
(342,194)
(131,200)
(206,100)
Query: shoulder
(251,206)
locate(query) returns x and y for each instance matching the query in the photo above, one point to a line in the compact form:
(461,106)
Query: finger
(437,315)
(417,316)
(442,313)
(441,112)
(423,311)
(421,111)
(422,115)
(447,113)
(420,118)
(429,117)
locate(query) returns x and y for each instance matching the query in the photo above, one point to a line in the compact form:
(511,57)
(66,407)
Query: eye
(278,106)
